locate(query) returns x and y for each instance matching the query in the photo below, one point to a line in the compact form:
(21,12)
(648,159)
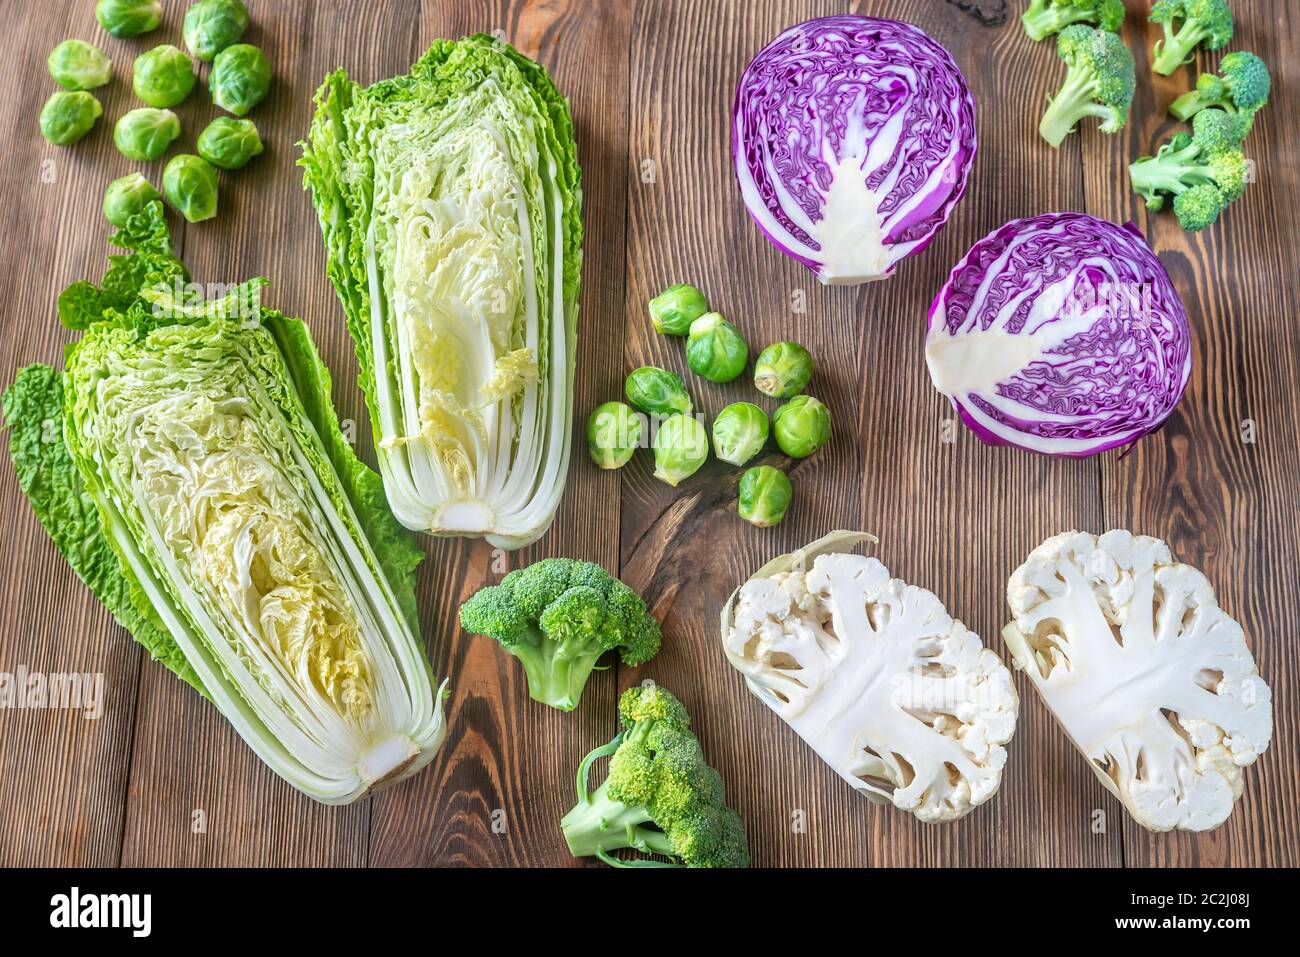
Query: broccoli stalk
(1044,17)
(1204,172)
(1242,87)
(1099,83)
(1205,23)
(558,617)
(598,824)
(661,797)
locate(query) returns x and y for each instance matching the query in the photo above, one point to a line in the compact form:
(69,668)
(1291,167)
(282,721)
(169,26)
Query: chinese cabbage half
(201,487)
(449,203)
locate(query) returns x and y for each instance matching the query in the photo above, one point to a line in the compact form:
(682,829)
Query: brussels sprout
(213,25)
(652,389)
(229,143)
(128,196)
(190,184)
(739,432)
(145,134)
(681,447)
(613,434)
(674,309)
(128,18)
(716,350)
(67,117)
(163,76)
(76,65)
(783,370)
(240,78)
(801,426)
(765,495)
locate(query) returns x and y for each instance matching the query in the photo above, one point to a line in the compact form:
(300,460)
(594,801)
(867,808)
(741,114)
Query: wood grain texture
(651,85)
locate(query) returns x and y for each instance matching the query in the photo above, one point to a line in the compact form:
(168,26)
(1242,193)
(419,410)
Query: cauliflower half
(901,700)
(1144,671)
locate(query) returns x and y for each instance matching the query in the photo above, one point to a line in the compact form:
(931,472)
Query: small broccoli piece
(558,617)
(1188,24)
(1243,87)
(1099,83)
(661,796)
(1051,16)
(1204,172)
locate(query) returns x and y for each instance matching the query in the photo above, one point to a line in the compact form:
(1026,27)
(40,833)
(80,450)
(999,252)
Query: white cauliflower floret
(902,701)
(1149,677)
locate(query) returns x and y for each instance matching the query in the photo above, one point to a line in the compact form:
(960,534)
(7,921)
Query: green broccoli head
(1099,83)
(578,621)
(1188,24)
(539,584)
(493,611)
(660,797)
(558,617)
(1199,206)
(1242,88)
(1204,172)
(1215,130)
(1044,17)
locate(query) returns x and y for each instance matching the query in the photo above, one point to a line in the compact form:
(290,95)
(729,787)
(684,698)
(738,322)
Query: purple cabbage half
(1060,334)
(853,139)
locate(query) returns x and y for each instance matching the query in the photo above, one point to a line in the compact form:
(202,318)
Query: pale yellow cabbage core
(230,516)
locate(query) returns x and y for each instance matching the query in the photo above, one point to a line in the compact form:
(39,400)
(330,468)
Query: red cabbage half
(853,139)
(1060,334)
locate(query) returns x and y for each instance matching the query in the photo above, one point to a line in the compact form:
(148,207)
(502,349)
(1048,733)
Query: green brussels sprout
(67,117)
(163,76)
(652,389)
(229,143)
(783,370)
(613,434)
(802,426)
(145,134)
(674,309)
(76,65)
(739,432)
(128,196)
(190,184)
(128,18)
(716,350)
(681,447)
(213,25)
(765,495)
(240,78)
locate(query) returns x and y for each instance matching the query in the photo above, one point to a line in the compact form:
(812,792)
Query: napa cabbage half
(190,466)
(449,202)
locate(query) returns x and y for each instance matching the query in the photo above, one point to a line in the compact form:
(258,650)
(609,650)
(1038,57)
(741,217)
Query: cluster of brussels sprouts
(716,351)
(164,77)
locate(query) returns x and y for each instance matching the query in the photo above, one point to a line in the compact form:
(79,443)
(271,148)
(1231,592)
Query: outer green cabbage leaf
(449,203)
(230,527)
(33,408)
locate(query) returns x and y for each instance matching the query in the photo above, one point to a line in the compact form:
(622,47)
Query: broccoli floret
(558,617)
(1242,88)
(661,796)
(1188,24)
(1099,83)
(1050,16)
(1204,172)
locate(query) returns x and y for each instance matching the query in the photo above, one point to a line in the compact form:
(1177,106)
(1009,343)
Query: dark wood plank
(1228,506)
(955,518)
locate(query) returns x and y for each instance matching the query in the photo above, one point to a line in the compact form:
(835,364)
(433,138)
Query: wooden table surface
(162,779)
